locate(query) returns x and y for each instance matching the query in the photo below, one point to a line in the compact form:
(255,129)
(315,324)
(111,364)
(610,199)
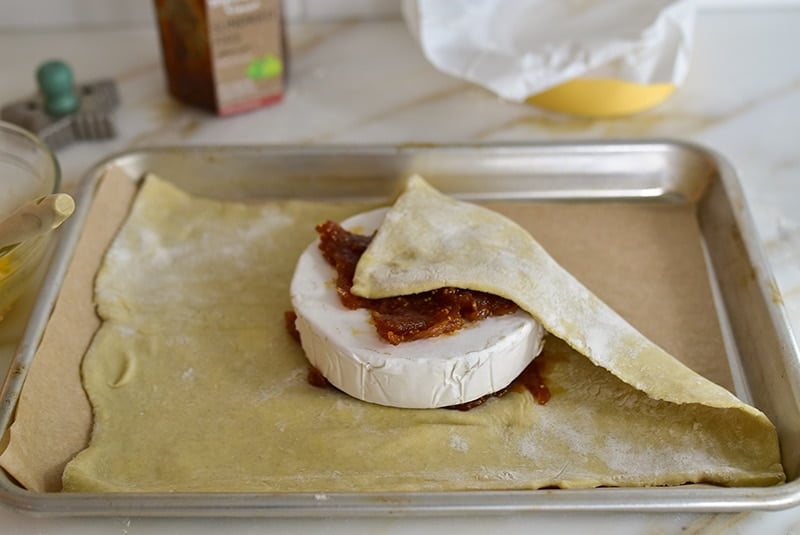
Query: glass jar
(28,170)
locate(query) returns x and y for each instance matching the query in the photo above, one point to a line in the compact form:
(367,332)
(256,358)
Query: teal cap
(58,87)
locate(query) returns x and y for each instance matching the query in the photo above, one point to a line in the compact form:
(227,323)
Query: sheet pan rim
(661,499)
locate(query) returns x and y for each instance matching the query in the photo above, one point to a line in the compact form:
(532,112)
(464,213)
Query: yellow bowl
(601,97)
(28,170)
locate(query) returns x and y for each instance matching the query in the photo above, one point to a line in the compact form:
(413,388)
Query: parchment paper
(645,260)
(54,417)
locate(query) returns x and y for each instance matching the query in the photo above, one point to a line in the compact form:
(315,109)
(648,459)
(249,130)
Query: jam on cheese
(410,317)
(413,317)
(345,350)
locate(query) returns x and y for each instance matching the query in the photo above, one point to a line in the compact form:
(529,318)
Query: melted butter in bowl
(28,169)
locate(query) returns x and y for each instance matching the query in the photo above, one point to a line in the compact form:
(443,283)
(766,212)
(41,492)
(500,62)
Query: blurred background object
(591,58)
(62,111)
(100,13)
(224,56)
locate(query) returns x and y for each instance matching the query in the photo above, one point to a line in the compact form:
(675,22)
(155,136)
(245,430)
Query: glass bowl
(28,170)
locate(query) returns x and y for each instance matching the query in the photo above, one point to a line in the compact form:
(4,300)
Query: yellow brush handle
(34,218)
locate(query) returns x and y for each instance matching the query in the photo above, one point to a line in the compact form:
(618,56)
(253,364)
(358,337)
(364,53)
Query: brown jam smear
(530,379)
(289,318)
(315,378)
(469,405)
(408,317)
(413,317)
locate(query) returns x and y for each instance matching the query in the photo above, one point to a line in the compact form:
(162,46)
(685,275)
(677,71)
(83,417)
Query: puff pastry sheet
(196,386)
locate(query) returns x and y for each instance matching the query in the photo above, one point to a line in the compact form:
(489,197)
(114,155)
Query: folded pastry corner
(429,240)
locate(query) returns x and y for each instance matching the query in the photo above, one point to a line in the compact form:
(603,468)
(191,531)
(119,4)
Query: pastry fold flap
(429,240)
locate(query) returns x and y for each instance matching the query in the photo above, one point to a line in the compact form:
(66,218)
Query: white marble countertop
(366,82)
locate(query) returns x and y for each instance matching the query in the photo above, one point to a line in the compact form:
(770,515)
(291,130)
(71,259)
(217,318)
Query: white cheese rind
(447,370)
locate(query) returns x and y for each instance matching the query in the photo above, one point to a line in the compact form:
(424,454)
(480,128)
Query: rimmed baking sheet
(760,356)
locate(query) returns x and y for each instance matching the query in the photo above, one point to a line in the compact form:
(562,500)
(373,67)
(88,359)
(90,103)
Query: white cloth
(518,48)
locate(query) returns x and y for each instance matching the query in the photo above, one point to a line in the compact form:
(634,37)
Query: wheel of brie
(480,359)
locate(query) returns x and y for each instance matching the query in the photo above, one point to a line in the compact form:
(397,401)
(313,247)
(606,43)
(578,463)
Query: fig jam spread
(408,317)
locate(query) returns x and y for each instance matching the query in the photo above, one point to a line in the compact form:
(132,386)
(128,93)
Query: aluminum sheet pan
(763,353)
